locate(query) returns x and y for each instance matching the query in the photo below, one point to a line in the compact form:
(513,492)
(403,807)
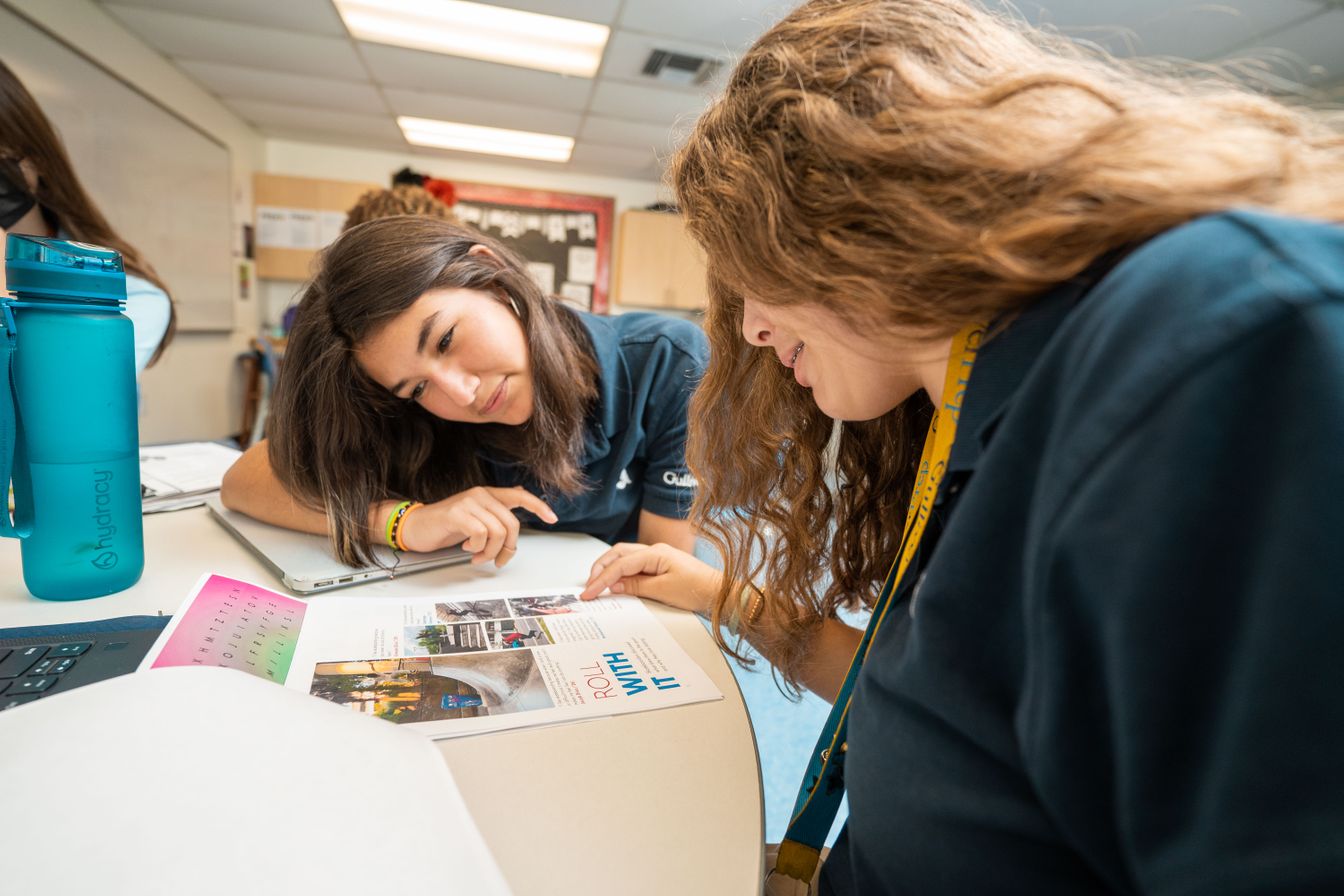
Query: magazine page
(443,667)
(175,476)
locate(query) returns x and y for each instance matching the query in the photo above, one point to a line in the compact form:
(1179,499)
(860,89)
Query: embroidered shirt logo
(624,480)
(684,480)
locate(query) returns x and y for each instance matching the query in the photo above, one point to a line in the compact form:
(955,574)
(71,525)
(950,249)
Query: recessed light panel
(490,141)
(479,31)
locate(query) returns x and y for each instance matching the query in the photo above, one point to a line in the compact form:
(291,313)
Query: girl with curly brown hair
(1110,301)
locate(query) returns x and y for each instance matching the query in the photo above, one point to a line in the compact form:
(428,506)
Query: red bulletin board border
(603,207)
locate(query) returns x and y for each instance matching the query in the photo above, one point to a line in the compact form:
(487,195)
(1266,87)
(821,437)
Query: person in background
(402,199)
(40,195)
(1112,300)
(430,390)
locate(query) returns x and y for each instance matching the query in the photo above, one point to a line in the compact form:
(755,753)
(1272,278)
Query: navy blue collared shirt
(1120,670)
(634,452)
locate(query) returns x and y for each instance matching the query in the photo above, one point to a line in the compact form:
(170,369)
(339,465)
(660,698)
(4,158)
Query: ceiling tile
(267,116)
(630,134)
(190,37)
(469,110)
(236,82)
(385,142)
(729,24)
(646,104)
(614,161)
(307,16)
(1189,29)
(397,67)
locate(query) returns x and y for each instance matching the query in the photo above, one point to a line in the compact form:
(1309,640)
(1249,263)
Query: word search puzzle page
(233,624)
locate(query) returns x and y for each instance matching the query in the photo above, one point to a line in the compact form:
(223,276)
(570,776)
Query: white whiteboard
(163,184)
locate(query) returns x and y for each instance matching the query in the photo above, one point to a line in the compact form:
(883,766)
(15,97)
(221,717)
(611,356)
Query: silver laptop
(305,562)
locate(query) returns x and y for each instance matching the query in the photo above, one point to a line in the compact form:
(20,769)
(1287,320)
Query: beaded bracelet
(393,521)
(400,527)
(751,605)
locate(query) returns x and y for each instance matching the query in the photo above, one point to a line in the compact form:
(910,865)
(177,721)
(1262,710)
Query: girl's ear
(31,176)
(482,249)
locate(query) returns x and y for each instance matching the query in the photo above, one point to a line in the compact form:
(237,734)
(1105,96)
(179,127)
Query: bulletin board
(296,217)
(163,185)
(565,237)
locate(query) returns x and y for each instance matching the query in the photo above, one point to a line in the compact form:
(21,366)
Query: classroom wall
(375,166)
(190,393)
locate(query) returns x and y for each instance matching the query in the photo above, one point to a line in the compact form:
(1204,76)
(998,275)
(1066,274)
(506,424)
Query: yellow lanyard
(817,803)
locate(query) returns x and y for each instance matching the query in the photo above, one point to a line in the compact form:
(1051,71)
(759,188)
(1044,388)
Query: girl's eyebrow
(424,332)
(425,329)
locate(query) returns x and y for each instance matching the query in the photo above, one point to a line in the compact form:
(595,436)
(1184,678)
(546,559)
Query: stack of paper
(182,475)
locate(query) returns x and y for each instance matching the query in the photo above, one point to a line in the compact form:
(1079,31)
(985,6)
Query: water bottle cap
(40,267)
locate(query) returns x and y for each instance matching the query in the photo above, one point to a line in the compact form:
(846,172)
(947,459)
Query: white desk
(664,802)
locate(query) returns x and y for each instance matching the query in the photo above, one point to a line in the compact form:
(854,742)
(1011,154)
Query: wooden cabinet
(657,264)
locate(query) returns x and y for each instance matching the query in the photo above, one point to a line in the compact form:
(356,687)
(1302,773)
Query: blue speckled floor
(786,733)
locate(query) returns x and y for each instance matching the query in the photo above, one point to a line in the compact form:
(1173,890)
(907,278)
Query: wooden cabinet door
(657,264)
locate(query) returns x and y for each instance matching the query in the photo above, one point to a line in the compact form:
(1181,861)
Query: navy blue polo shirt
(1120,668)
(634,452)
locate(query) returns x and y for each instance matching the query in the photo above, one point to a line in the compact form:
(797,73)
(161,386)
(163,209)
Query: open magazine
(443,667)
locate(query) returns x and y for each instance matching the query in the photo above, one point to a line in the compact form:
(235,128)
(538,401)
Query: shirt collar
(1002,364)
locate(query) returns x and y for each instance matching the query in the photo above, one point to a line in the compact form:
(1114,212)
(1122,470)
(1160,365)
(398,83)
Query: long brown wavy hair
(27,135)
(339,442)
(923,164)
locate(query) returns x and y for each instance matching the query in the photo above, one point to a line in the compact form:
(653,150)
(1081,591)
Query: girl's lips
(496,399)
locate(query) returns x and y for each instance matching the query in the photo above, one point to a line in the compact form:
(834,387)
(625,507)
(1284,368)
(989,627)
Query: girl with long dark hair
(430,393)
(41,195)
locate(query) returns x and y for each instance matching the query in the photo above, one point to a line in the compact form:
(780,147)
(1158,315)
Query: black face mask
(14,202)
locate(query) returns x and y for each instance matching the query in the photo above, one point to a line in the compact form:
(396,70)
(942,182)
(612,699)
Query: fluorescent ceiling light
(478,31)
(491,141)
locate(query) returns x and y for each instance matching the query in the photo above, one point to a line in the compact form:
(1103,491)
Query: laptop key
(61,665)
(73,649)
(32,685)
(4,652)
(43,666)
(10,701)
(21,660)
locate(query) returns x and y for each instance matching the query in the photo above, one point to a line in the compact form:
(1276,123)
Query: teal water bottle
(68,428)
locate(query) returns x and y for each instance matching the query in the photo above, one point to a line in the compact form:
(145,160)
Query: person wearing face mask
(1036,355)
(40,195)
(431,395)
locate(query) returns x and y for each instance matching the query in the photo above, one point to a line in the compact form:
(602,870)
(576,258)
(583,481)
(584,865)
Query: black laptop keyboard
(39,661)
(26,673)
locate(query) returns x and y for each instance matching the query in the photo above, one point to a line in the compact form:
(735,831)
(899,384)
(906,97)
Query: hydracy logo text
(102,518)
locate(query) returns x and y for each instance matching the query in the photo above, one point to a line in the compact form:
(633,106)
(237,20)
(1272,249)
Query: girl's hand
(657,571)
(481,519)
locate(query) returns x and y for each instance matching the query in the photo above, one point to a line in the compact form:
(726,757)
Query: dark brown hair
(27,135)
(340,442)
(924,164)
